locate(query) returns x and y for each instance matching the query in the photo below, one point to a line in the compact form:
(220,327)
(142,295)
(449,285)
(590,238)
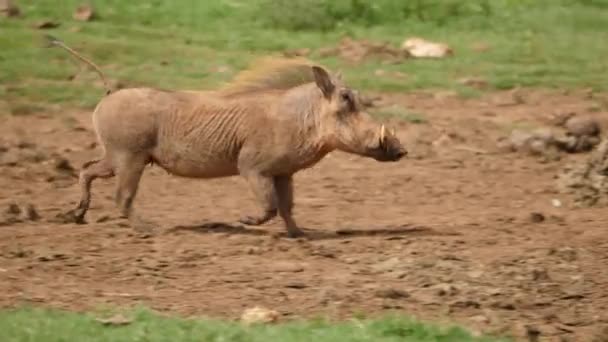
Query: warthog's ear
(338,75)
(323,81)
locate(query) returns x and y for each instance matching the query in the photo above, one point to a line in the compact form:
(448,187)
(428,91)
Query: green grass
(182,43)
(28,324)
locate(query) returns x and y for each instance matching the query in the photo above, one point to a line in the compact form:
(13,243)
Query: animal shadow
(395,233)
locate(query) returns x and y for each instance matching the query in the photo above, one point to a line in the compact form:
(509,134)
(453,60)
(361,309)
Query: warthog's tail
(52,41)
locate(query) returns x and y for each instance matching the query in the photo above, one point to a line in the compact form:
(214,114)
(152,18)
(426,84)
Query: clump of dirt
(588,181)
(84,12)
(15,213)
(355,51)
(574,134)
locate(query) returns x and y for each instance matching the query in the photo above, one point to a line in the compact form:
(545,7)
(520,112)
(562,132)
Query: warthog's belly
(196,166)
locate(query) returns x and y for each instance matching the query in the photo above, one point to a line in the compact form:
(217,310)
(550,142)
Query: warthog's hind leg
(90,171)
(284,191)
(130,168)
(263,189)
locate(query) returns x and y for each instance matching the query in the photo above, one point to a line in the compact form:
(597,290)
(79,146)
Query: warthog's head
(349,127)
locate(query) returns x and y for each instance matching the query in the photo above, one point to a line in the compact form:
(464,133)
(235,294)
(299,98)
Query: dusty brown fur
(271,121)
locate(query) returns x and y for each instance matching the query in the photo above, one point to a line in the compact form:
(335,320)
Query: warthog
(271,121)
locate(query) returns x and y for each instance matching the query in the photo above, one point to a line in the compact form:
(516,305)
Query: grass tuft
(35,324)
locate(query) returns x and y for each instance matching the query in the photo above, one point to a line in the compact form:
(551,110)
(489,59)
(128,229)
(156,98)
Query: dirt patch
(588,180)
(459,231)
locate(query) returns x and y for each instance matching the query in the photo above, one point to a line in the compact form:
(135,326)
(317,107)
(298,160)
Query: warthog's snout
(389,147)
(399,154)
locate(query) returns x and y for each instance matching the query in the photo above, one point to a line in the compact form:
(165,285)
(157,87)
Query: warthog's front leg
(284,191)
(263,189)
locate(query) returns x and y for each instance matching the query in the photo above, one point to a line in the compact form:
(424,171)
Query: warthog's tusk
(382,133)
(393,132)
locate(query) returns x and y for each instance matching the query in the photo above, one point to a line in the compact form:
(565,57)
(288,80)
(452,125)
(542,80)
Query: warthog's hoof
(72,216)
(143,227)
(256,220)
(295,233)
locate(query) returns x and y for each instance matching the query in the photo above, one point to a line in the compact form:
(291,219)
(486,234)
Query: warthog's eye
(347,97)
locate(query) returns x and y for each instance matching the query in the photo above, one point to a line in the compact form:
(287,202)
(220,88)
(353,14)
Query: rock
(582,126)
(391,293)
(422,48)
(116,320)
(258,315)
(537,217)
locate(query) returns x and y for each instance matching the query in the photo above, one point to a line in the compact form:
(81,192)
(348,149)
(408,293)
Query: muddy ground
(458,232)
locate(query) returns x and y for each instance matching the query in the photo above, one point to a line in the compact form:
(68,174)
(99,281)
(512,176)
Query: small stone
(467,303)
(116,320)
(253,250)
(296,285)
(392,293)
(475,274)
(388,265)
(63,165)
(556,203)
(540,275)
(504,305)
(258,315)
(480,319)
(287,267)
(445,290)
(13,209)
(537,217)
(31,213)
(475,82)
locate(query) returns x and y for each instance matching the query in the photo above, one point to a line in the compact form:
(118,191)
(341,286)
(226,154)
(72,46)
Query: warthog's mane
(270,74)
